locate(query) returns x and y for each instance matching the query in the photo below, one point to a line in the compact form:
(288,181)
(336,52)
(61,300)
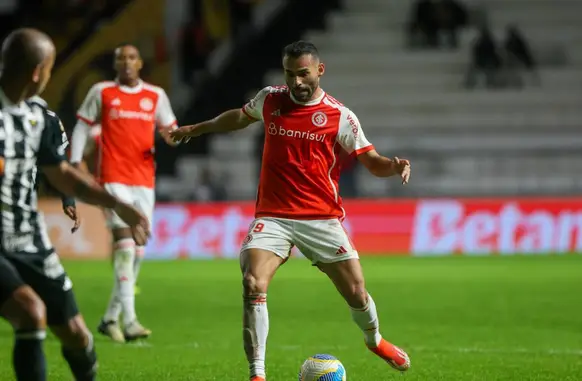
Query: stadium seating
(413,104)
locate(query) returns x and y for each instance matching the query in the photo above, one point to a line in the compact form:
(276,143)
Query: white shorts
(324,241)
(143,198)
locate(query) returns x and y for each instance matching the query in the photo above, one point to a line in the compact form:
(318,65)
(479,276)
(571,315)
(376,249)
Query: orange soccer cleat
(394,356)
(257,378)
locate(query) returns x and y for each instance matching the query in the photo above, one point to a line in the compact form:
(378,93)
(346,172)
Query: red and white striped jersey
(300,169)
(128,117)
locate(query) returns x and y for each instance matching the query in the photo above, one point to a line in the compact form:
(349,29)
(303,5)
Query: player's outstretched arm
(73,182)
(230,120)
(381,166)
(354,141)
(70,181)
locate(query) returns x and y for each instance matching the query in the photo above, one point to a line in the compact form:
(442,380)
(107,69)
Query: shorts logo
(146,104)
(341,250)
(319,119)
(247,239)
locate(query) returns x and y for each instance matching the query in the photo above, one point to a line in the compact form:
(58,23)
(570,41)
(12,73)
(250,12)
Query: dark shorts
(44,273)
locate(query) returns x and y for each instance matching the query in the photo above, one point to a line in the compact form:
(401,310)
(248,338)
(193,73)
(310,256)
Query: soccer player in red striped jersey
(298,202)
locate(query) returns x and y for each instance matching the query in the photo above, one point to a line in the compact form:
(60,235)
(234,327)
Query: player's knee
(121,234)
(123,256)
(254,285)
(27,310)
(356,294)
(74,334)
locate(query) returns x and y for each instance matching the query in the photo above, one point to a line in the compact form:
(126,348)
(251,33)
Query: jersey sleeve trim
(362,150)
(169,125)
(243,109)
(85,120)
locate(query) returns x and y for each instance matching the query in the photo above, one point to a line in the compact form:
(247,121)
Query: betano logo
(447,226)
(274,130)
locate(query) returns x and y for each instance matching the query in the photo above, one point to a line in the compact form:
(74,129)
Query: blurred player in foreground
(128,110)
(34,287)
(43,187)
(298,201)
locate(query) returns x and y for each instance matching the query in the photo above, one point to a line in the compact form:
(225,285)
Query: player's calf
(123,297)
(26,312)
(255,323)
(78,348)
(348,278)
(366,317)
(258,267)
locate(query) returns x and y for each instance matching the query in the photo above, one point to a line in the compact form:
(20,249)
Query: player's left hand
(402,167)
(71,212)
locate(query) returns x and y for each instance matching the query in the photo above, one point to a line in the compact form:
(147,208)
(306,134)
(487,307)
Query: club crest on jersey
(146,104)
(319,119)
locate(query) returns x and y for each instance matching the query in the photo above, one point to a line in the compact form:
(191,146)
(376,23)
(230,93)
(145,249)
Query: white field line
(410,350)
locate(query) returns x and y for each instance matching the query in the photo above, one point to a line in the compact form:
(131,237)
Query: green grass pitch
(459,318)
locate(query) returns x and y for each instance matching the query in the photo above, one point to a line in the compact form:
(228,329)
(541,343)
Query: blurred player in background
(298,201)
(128,111)
(91,160)
(35,290)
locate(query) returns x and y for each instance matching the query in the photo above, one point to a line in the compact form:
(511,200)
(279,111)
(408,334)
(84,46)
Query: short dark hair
(300,48)
(125,45)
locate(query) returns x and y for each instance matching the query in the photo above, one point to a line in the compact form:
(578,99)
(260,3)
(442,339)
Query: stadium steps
(412,103)
(238,176)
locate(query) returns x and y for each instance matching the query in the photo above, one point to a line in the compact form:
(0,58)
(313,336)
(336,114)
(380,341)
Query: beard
(304,93)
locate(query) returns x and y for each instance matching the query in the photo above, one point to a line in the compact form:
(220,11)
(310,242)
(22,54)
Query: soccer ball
(322,368)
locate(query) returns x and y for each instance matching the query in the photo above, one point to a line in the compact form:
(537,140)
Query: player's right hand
(71,212)
(138,223)
(182,134)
